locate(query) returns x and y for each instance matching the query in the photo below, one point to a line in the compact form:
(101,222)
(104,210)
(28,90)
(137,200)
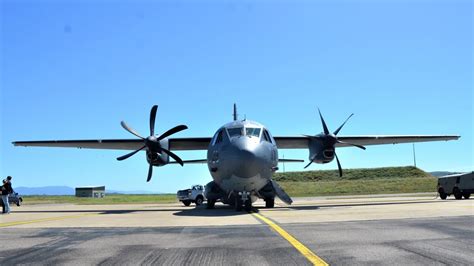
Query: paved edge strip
(45,220)
(313,258)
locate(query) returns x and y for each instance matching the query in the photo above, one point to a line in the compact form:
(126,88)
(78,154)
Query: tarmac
(382,230)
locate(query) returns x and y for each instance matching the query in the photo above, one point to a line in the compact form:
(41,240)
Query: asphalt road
(340,233)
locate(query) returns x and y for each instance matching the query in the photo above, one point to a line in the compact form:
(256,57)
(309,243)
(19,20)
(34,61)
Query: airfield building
(90,192)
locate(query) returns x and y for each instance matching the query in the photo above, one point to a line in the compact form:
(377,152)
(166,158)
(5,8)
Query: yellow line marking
(313,258)
(45,220)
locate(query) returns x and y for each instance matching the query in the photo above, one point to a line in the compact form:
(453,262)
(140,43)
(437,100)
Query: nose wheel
(243,200)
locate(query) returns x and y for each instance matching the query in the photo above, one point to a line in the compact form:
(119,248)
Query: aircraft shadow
(98,211)
(221,210)
(218,211)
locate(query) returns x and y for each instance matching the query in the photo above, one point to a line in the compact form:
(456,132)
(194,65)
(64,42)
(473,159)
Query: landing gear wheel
(269,203)
(199,200)
(238,204)
(186,202)
(210,204)
(248,205)
(457,193)
(467,195)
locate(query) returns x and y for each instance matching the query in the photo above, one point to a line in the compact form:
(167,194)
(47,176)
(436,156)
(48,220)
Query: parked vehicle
(459,185)
(14,198)
(193,195)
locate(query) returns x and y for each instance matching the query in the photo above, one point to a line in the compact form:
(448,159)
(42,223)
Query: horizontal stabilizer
(290,161)
(281,193)
(191,161)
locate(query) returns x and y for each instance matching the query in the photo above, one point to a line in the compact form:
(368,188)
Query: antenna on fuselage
(235,112)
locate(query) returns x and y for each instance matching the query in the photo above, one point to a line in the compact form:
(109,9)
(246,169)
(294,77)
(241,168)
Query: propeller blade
(325,127)
(121,158)
(338,165)
(174,156)
(337,130)
(310,162)
(352,144)
(150,173)
(176,129)
(152,119)
(129,129)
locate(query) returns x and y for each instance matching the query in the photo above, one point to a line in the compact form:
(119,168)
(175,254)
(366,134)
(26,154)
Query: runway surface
(377,230)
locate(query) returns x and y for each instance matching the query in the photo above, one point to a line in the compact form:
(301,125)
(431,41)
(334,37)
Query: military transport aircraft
(241,157)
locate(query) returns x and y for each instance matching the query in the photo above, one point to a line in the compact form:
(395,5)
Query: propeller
(152,143)
(331,140)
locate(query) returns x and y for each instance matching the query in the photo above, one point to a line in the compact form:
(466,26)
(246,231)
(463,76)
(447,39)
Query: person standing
(5,204)
(7,190)
(1,201)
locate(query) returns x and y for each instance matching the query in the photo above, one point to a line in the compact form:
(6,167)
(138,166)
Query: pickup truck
(193,195)
(14,198)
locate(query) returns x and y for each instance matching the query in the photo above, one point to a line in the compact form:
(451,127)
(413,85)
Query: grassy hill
(384,180)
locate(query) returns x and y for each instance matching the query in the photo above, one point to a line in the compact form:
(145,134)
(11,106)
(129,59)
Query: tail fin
(235,112)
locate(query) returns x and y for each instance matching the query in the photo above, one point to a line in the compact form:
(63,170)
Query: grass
(108,199)
(354,174)
(387,180)
(360,187)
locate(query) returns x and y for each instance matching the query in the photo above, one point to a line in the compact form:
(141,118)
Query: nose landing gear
(242,199)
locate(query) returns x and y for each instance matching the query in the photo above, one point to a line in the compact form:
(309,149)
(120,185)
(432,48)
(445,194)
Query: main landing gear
(242,199)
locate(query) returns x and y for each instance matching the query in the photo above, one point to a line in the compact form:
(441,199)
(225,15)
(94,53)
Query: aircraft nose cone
(246,162)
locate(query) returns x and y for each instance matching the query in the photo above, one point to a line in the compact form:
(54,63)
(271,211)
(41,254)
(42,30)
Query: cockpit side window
(217,137)
(252,132)
(266,136)
(236,131)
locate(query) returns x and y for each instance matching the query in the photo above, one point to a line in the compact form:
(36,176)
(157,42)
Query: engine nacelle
(156,158)
(321,151)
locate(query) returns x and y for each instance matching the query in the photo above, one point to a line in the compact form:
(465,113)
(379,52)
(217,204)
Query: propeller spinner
(152,143)
(330,140)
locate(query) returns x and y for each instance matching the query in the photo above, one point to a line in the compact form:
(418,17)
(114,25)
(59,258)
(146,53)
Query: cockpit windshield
(252,132)
(236,131)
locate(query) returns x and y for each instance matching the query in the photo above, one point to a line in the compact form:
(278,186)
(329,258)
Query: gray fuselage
(242,156)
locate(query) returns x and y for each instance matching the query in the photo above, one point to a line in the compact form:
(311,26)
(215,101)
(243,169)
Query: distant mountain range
(64,190)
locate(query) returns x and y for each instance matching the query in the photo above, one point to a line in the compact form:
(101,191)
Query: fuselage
(242,156)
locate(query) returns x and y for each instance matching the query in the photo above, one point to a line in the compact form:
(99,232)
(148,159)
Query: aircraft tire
(210,204)
(186,202)
(457,193)
(238,204)
(248,205)
(269,203)
(467,195)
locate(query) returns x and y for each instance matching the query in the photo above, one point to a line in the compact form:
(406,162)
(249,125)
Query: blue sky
(75,69)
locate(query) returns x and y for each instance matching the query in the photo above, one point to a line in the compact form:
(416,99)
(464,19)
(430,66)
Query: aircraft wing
(188,144)
(302,142)
(177,144)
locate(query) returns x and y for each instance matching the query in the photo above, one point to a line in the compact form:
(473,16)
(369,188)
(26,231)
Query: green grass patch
(109,199)
(359,187)
(386,180)
(354,174)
